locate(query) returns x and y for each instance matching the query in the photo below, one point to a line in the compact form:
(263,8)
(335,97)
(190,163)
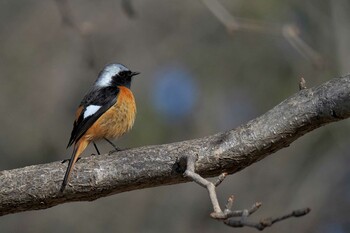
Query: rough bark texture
(37,187)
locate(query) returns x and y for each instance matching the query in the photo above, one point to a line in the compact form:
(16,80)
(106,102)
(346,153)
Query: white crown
(105,77)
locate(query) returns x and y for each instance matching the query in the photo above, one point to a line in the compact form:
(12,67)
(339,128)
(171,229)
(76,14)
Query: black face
(123,78)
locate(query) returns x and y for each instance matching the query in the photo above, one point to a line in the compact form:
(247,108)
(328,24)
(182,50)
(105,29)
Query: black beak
(134,73)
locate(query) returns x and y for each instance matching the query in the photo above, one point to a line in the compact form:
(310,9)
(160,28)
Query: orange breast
(117,120)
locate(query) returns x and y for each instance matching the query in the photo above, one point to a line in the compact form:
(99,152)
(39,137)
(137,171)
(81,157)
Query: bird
(107,111)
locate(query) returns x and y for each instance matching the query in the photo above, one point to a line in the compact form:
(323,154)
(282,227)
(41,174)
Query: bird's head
(114,75)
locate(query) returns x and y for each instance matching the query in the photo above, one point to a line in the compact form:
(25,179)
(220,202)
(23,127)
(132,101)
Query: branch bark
(37,187)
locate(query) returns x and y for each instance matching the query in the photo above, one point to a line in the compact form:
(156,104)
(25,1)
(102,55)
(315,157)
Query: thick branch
(37,187)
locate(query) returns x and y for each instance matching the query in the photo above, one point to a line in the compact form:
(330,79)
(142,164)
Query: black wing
(105,98)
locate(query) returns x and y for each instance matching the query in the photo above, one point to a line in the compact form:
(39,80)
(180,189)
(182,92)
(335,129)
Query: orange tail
(79,147)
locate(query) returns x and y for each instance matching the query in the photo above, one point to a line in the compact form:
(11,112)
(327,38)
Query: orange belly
(117,120)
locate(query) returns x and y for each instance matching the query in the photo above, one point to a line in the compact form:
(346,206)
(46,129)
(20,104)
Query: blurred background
(206,66)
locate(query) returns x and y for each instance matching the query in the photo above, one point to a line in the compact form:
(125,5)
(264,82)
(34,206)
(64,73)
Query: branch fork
(229,216)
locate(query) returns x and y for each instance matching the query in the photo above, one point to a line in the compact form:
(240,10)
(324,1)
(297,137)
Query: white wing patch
(91,110)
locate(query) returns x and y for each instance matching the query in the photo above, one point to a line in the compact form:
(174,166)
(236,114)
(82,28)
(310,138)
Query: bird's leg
(114,146)
(116,149)
(98,152)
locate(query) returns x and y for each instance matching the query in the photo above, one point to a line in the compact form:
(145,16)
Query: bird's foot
(117,149)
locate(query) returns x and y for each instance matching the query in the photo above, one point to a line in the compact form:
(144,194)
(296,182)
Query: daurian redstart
(107,112)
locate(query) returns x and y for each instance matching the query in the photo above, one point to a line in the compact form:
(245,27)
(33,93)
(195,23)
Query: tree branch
(228,214)
(37,187)
(290,32)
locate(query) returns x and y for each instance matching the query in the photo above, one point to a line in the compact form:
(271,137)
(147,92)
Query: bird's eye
(122,74)
(125,74)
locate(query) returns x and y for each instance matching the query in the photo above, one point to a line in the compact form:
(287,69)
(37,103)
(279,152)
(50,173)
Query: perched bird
(107,111)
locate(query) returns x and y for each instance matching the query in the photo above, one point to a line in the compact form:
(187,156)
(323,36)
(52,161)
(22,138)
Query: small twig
(302,84)
(222,14)
(128,8)
(66,14)
(289,32)
(202,182)
(267,222)
(220,179)
(227,215)
(83,31)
